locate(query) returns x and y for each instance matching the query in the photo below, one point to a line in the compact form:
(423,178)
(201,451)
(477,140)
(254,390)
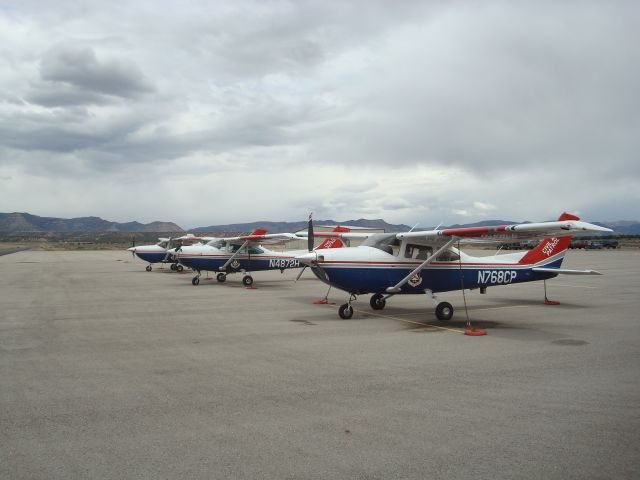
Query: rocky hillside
(25,222)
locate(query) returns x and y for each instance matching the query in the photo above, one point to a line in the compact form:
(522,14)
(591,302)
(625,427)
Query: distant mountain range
(25,222)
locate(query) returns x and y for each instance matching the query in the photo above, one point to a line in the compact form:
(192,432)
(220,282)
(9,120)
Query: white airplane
(419,262)
(247,254)
(157,253)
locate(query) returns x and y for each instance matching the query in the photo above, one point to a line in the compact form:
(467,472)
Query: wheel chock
(551,302)
(475,332)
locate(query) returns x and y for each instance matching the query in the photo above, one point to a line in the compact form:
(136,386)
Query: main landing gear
(443,312)
(377,301)
(221,277)
(149,268)
(177,267)
(247,280)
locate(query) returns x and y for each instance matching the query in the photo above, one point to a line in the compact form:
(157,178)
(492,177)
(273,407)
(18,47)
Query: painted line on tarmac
(501,308)
(573,286)
(412,322)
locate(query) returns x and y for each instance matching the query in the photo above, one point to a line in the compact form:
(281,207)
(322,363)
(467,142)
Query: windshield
(387,242)
(216,243)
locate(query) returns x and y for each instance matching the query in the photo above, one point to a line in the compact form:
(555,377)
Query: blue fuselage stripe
(376,279)
(214,263)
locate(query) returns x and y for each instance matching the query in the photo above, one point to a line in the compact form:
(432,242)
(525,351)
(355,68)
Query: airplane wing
(509,232)
(303,235)
(261,238)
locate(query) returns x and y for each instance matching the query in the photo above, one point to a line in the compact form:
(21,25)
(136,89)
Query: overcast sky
(211,112)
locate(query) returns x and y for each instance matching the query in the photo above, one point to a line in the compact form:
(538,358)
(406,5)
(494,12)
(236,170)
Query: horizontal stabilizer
(565,271)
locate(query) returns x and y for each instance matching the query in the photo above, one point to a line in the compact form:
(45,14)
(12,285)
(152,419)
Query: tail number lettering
(500,277)
(284,263)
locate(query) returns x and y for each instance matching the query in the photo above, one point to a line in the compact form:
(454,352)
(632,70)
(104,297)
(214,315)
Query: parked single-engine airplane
(246,254)
(427,261)
(158,253)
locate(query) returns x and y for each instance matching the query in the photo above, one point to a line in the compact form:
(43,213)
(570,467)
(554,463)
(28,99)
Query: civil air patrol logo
(235,264)
(415,280)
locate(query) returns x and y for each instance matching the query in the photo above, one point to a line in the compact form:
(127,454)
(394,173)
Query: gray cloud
(427,111)
(79,67)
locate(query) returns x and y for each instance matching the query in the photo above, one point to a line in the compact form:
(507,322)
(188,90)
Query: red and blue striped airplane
(416,262)
(247,254)
(157,253)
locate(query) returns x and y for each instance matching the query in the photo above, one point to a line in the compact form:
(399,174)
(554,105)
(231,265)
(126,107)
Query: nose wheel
(149,268)
(345,311)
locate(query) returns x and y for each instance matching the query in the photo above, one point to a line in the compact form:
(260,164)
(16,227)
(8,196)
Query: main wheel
(444,311)
(247,280)
(149,268)
(221,277)
(377,301)
(195,280)
(179,268)
(345,311)
(173,266)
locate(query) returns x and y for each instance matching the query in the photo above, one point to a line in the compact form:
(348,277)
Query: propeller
(167,255)
(310,241)
(310,238)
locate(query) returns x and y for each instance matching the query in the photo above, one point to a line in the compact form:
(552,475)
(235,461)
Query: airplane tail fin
(258,231)
(550,247)
(334,242)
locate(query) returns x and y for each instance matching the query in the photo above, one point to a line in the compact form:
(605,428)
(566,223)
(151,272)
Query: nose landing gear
(345,311)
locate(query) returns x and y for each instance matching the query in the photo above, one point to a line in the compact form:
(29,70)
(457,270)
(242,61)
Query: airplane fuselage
(150,253)
(209,258)
(370,270)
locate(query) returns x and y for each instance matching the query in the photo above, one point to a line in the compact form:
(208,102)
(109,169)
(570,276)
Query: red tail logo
(550,246)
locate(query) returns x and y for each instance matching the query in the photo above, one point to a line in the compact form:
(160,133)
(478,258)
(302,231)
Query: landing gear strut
(346,310)
(444,310)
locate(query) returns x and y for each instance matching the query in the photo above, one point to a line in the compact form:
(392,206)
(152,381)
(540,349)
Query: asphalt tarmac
(109,371)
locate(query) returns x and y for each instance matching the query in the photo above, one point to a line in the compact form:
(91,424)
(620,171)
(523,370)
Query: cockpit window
(233,248)
(419,252)
(387,242)
(448,256)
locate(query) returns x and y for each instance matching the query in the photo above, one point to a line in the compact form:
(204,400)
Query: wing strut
(396,288)
(223,267)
